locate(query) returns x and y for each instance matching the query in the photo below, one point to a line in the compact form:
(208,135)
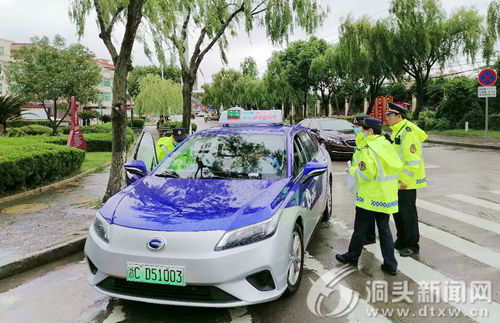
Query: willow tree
(492,30)
(109,14)
(215,20)
(422,35)
(158,96)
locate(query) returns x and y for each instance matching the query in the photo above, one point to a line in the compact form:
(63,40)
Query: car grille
(190,293)
(350,143)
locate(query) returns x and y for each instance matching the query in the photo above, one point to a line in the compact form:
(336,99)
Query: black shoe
(388,270)
(369,242)
(406,252)
(346,260)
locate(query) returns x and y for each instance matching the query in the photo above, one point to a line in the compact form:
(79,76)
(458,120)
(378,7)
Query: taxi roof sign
(238,115)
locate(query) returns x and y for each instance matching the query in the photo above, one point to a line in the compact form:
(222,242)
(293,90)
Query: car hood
(339,135)
(176,204)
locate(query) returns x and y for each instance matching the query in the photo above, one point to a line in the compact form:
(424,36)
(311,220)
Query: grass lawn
(463,133)
(95,159)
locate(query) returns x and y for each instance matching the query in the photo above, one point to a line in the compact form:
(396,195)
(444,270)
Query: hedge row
(95,141)
(24,122)
(137,123)
(27,163)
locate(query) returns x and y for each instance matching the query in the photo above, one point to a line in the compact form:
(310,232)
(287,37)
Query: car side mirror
(313,169)
(136,169)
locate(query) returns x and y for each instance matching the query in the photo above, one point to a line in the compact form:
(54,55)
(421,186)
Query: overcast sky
(22,19)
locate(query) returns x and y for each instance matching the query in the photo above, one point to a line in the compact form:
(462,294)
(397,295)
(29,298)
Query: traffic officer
(377,196)
(360,142)
(407,141)
(167,142)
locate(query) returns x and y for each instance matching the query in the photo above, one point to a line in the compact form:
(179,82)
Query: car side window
(299,156)
(305,123)
(310,148)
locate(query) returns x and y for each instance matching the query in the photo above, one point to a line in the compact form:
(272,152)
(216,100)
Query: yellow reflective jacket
(377,177)
(164,146)
(407,141)
(360,142)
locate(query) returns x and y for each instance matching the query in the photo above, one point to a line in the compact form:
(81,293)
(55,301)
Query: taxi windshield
(227,156)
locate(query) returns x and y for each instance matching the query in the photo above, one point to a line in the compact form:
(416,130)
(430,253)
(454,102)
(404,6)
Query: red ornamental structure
(75,138)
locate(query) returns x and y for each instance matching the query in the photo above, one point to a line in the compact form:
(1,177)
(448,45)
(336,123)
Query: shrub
(194,127)
(33,130)
(14,132)
(475,118)
(137,123)
(427,120)
(443,124)
(494,122)
(23,122)
(95,141)
(98,128)
(28,163)
(105,118)
(173,124)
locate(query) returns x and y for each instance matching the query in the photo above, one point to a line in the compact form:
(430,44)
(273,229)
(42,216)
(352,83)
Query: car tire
(327,213)
(297,254)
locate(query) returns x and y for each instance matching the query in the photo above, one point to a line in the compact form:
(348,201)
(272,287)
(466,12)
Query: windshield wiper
(168,174)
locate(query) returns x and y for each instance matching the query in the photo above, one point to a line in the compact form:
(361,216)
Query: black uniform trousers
(364,221)
(406,221)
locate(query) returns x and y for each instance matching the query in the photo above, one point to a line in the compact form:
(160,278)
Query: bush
(474,117)
(27,163)
(23,122)
(33,130)
(137,123)
(95,141)
(194,127)
(98,128)
(494,122)
(427,120)
(105,118)
(14,132)
(173,124)
(443,124)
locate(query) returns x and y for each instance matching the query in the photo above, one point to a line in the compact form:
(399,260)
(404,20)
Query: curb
(463,144)
(42,189)
(43,257)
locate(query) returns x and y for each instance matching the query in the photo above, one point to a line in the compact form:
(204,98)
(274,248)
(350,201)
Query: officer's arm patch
(413,149)
(362,166)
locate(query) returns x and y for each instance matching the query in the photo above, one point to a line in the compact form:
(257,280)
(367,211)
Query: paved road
(460,229)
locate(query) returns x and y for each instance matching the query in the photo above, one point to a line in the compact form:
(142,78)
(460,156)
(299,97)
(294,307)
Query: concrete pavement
(460,241)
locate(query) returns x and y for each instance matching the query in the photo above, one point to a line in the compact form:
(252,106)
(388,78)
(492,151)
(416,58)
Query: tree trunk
(304,115)
(421,98)
(54,124)
(187,92)
(119,126)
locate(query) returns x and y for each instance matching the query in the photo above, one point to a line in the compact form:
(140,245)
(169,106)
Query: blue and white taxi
(222,221)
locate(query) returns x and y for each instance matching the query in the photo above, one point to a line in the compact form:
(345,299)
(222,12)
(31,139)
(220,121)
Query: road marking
(240,315)
(456,215)
(359,313)
(467,248)
(476,201)
(419,272)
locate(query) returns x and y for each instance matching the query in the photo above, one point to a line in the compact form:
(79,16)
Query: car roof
(254,129)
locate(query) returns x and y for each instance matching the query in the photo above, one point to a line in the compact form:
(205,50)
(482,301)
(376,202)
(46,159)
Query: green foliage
(26,163)
(492,30)
(460,97)
(60,71)
(494,121)
(24,122)
(249,68)
(397,90)
(137,123)
(95,141)
(15,132)
(194,127)
(173,124)
(36,130)
(158,96)
(170,72)
(105,118)
(10,109)
(427,120)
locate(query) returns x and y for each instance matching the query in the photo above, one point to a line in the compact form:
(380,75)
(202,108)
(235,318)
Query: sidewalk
(473,142)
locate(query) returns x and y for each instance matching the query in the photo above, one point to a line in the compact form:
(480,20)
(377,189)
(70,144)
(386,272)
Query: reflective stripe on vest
(408,172)
(413,163)
(381,177)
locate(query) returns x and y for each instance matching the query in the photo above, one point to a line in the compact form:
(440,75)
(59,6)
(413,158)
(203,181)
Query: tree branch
(217,36)
(113,20)
(105,34)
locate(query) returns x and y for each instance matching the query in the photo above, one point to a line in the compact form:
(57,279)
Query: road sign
(487,77)
(487,91)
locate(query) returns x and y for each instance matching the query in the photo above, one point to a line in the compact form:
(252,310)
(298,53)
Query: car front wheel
(296,267)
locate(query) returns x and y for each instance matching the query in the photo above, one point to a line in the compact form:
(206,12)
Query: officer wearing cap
(407,141)
(360,142)
(168,141)
(377,196)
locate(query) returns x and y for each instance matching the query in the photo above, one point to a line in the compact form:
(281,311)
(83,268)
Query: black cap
(358,120)
(179,134)
(393,107)
(375,124)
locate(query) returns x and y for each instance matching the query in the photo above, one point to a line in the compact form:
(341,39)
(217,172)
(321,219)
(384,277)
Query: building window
(106,82)
(1,51)
(105,96)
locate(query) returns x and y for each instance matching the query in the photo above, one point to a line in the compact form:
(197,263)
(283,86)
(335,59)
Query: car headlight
(101,227)
(250,234)
(334,141)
